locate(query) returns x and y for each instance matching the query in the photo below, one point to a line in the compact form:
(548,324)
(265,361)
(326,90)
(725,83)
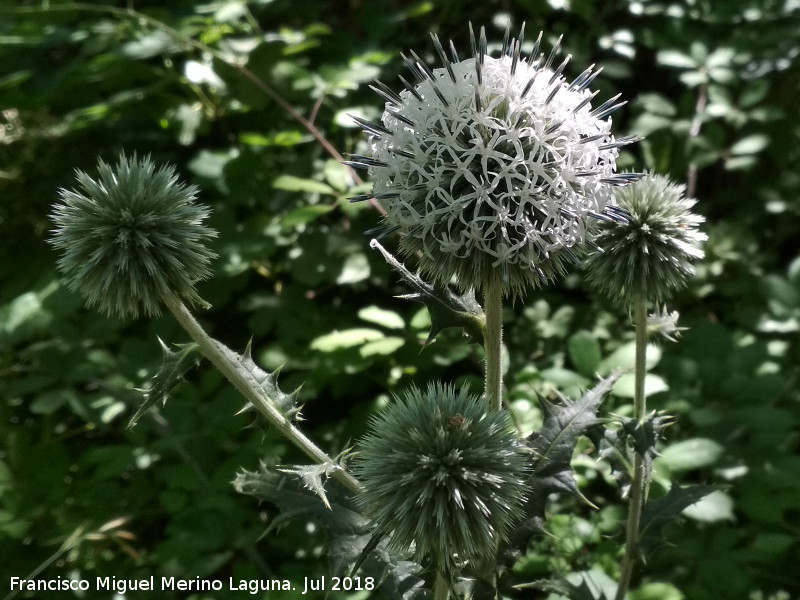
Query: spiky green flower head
(132,237)
(651,254)
(493,166)
(442,476)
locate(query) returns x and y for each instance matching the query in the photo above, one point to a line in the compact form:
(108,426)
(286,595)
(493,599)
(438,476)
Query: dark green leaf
(584,352)
(658,513)
(552,448)
(173,366)
(349,531)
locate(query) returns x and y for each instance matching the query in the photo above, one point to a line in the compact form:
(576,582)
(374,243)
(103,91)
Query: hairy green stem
(638,484)
(493,341)
(230,365)
(441,588)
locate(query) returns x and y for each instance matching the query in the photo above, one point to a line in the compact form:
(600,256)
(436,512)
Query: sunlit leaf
(752,144)
(384,347)
(694,453)
(716,506)
(675,59)
(355,268)
(346,338)
(383,317)
(624,357)
(653,384)
(290,183)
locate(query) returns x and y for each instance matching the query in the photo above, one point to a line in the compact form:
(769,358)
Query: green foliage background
(215,87)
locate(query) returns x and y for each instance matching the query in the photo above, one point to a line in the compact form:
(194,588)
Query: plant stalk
(441,588)
(636,496)
(493,341)
(228,363)
(694,131)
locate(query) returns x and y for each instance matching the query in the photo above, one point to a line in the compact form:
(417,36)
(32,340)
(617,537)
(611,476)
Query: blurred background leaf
(237,94)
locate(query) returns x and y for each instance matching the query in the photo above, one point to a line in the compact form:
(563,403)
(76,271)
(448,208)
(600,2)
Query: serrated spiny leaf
(552,447)
(613,449)
(658,513)
(617,446)
(446,308)
(644,436)
(315,476)
(563,424)
(173,367)
(268,382)
(348,530)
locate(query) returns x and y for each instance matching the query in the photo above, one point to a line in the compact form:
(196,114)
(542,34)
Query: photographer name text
(155,584)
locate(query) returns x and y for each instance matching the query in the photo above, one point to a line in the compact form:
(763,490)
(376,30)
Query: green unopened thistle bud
(132,237)
(651,254)
(442,476)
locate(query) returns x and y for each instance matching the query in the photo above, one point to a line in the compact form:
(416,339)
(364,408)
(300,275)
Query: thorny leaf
(348,530)
(173,366)
(268,382)
(552,447)
(446,308)
(616,446)
(312,475)
(665,324)
(658,513)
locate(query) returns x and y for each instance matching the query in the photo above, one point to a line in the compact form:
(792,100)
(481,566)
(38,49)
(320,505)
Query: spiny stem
(493,341)
(228,363)
(638,483)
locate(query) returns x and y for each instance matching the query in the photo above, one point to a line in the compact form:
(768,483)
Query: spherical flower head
(493,165)
(651,254)
(442,475)
(132,237)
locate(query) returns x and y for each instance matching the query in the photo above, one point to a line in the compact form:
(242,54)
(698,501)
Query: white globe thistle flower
(494,165)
